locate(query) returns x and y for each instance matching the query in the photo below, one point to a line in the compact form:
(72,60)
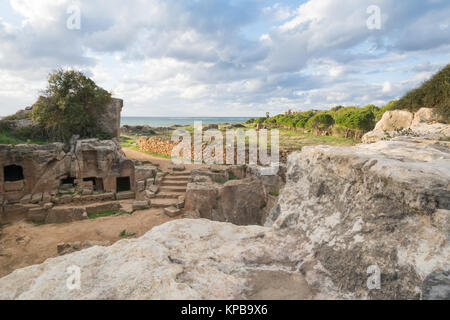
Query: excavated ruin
(345,216)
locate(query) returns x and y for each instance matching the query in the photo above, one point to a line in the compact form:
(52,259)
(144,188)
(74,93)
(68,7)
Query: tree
(320,121)
(71,104)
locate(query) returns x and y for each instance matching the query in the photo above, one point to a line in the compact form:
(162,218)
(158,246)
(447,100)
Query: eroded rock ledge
(342,210)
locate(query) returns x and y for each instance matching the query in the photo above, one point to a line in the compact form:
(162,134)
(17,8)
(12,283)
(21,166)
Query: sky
(224,57)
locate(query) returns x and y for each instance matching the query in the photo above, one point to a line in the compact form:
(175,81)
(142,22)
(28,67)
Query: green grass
(102,214)
(8,138)
(274,193)
(290,140)
(124,234)
(295,140)
(108,213)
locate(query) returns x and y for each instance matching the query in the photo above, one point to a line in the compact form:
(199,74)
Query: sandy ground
(23,244)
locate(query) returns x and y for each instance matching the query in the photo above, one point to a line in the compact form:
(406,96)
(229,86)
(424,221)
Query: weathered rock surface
(371,205)
(109,120)
(244,200)
(424,123)
(183,259)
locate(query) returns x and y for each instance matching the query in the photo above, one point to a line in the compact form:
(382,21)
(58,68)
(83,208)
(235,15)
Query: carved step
(180,174)
(169,195)
(163,203)
(176,178)
(173,189)
(166,183)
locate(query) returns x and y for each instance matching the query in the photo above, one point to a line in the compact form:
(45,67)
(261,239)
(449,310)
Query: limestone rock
(424,124)
(109,120)
(172,212)
(241,202)
(369,205)
(425,115)
(437,286)
(393,120)
(62,215)
(140,205)
(182,259)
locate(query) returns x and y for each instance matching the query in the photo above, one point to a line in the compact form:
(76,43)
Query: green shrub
(250,121)
(359,119)
(301,123)
(321,120)
(434,93)
(260,120)
(71,105)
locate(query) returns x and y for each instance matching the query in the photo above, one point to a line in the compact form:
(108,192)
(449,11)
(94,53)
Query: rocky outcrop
(236,194)
(424,123)
(385,205)
(345,216)
(183,259)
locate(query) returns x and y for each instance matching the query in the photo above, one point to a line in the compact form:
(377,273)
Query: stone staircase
(172,187)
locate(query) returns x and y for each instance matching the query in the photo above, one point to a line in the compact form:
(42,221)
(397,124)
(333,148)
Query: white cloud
(191,58)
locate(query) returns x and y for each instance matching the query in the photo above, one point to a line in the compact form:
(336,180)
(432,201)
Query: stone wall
(109,121)
(160,145)
(163,145)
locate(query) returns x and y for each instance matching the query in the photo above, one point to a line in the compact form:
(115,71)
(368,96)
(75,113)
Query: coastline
(156,122)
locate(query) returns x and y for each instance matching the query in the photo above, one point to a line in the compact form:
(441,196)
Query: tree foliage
(71,104)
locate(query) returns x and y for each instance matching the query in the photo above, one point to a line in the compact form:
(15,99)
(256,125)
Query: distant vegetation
(355,118)
(434,93)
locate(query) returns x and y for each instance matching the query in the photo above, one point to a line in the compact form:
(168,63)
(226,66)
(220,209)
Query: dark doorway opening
(13,173)
(97,182)
(123,184)
(68,180)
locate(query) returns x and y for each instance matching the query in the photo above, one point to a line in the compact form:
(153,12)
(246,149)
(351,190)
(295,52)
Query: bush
(359,119)
(250,121)
(260,120)
(321,120)
(70,105)
(434,93)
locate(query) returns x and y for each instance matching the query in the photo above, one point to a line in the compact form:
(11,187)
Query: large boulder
(394,120)
(424,123)
(183,259)
(425,115)
(384,206)
(241,202)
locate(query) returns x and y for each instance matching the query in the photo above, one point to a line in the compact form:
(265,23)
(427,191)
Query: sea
(156,122)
